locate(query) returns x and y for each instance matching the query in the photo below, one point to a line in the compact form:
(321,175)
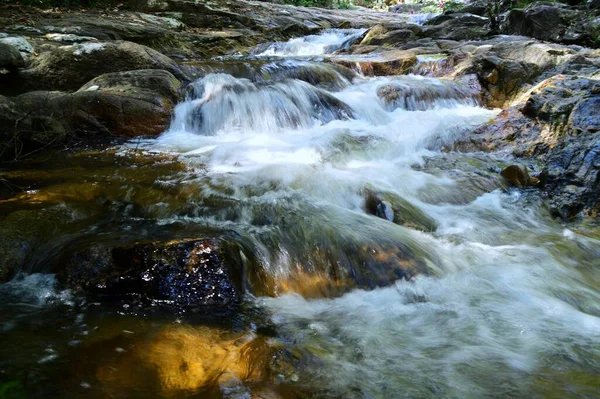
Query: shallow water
(390,267)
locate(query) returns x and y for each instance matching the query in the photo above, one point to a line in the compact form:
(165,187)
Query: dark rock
(518,176)
(553,22)
(10,57)
(558,127)
(126,104)
(395,209)
(476,8)
(197,272)
(586,115)
(457,26)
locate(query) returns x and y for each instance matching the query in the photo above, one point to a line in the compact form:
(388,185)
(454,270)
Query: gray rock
(18,42)
(10,58)
(69,67)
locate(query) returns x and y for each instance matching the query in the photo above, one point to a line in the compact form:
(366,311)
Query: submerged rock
(186,273)
(391,207)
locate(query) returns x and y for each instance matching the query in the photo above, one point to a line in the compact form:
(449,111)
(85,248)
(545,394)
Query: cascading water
(326,42)
(507,310)
(379,265)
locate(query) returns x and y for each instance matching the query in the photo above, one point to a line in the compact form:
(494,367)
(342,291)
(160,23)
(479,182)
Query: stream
(391,266)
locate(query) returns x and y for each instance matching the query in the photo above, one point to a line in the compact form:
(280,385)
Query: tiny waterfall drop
(324,43)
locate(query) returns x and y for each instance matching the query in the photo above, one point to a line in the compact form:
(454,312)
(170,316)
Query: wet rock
(381,61)
(67,68)
(382,35)
(518,176)
(125,104)
(174,360)
(395,209)
(419,95)
(203,272)
(10,58)
(23,234)
(558,127)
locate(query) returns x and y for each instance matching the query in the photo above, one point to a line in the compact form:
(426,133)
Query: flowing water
(390,267)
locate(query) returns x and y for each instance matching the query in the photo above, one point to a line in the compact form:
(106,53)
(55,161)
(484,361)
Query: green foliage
(12,390)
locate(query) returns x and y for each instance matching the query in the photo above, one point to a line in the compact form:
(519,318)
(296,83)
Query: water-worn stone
(195,272)
(10,58)
(67,68)
(124,104)
(518,176)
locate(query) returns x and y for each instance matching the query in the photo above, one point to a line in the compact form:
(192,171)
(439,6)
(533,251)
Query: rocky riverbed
(247,199)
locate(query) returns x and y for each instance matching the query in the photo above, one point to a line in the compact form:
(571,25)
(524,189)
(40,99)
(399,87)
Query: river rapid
(328,174)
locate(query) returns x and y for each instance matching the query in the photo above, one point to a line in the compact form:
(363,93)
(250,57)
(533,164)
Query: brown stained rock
(123,104)
(517,176)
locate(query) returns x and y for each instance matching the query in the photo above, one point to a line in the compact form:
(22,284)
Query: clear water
(506,304)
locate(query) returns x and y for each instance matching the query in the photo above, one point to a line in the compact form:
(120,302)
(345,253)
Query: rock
(122,104)
(67,68)
(395,209)
(586,115)
(558,127)
(419,95)
(507,67)
(177,359)
(22,235)
(382,35)
(382,61)
(457,26)
(196,272)
(554,22)
(19,43)
(517,176)
(10,58)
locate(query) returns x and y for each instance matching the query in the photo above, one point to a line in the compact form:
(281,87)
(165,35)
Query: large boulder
(554,22)
(67,68)
(558,126)
(457,26)
(195,272)
(122,104)
(507,67)
(385,35)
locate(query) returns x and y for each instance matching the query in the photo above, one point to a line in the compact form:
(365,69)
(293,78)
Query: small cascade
(433,65)
(415,93)
(324,43)
(332,77)
(220,102)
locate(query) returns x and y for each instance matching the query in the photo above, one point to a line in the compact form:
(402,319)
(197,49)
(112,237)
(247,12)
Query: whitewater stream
(395,268)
